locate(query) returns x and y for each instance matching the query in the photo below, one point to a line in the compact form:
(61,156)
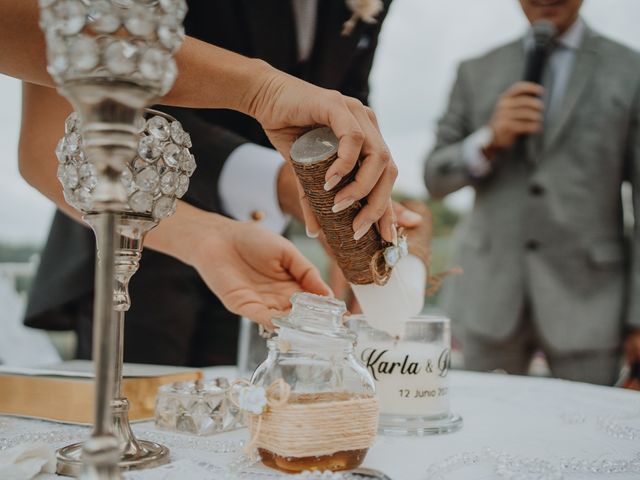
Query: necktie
(551,98)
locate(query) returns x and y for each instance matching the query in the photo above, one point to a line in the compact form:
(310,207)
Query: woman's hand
(286,107)
(252,271)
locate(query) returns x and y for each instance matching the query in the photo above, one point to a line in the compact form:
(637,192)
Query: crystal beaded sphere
(154,179)
(127,40)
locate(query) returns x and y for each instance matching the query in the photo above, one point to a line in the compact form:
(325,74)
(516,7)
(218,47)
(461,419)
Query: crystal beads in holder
(197,408)
(111,58)
(154,179)
(84,40)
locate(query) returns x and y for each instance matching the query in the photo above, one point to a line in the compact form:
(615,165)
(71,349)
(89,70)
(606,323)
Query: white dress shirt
(305,13)
(559,67)
(248,182)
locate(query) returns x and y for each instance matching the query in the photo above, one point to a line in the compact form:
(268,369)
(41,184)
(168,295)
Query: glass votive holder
(411,375)
(197,408)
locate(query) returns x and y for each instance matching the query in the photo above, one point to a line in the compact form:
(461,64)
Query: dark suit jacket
(168,298)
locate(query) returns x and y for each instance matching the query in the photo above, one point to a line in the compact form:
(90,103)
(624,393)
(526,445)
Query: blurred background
(421,44)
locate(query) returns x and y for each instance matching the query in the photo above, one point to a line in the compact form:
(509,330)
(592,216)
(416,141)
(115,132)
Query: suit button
(536,189)
(532,245)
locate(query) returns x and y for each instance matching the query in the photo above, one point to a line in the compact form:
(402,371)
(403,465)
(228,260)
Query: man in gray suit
(546,262)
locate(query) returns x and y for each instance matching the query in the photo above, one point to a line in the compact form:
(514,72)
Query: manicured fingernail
(343,205)
(311,234)
(361,231)
(394,235)
(332,182)
(411,217)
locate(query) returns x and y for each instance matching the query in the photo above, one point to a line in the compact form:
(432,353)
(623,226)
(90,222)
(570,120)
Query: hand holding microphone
(519,111)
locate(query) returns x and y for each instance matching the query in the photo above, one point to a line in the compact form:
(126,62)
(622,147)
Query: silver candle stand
(111,58)
(154,180)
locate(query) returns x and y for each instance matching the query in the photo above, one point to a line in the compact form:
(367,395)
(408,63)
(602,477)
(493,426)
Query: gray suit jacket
(547,229)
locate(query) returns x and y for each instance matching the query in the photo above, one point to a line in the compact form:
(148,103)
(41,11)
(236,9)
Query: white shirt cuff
(477,164)
(248,186)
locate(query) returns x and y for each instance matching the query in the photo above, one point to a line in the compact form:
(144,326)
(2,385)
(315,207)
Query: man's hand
(518,112)
(407,218)
(252,271)
(286,107)
(632,347)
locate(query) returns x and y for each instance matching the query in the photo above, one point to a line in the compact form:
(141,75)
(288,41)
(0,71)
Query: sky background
(421,44)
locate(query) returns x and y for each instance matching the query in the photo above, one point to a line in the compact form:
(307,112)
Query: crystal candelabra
(154,180)
(111,58)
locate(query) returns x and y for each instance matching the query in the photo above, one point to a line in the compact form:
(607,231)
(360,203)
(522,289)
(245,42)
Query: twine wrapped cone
(312,155)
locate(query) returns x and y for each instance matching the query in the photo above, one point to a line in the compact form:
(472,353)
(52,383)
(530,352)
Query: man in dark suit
(547,262)
(174,318)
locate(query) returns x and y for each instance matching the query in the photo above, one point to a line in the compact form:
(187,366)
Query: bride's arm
(211,77)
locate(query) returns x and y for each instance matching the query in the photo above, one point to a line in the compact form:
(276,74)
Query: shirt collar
(571,39)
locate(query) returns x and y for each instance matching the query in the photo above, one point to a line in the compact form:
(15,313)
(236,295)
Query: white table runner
(515,427)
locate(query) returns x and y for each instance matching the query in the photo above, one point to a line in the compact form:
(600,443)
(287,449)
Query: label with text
(411,378)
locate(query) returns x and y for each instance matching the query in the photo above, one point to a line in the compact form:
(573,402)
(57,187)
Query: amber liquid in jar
(342,460)
(345,460)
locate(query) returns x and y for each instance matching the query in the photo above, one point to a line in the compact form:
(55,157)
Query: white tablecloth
(513,427)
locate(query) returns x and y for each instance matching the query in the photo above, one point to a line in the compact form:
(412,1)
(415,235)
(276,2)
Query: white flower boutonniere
(365,10)
(258,401)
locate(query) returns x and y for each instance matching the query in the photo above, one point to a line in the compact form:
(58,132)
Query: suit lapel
(513,65)
(580,77)
(271,31)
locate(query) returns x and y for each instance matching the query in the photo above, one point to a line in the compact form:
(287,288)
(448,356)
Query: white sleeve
(248,186)
(477,164)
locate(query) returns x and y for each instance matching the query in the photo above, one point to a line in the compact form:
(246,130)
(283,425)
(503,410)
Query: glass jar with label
(411,374)
(328,417)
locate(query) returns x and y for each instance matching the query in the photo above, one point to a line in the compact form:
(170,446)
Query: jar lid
(314,146)
(317,315)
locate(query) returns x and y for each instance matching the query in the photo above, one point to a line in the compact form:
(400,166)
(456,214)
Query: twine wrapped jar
(322,412)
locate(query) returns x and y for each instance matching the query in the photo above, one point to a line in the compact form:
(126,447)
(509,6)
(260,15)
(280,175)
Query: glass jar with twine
(311,405)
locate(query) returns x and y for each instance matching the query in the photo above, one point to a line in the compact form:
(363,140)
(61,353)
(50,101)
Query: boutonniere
(365,10)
